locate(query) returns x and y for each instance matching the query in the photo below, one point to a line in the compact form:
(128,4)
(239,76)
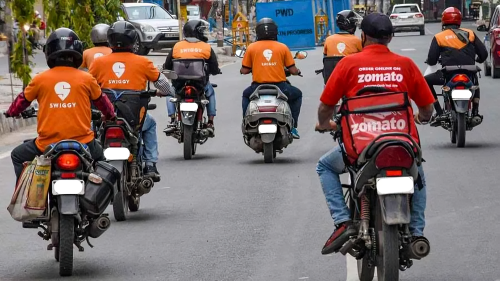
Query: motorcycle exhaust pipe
(98,227)
(204,133)
(145,186)
(419,248)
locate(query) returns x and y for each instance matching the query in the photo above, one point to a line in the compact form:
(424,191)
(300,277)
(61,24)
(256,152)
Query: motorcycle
(268,120)
(379,193)
(78,197)
(122,144)
(190,101)
(458,92)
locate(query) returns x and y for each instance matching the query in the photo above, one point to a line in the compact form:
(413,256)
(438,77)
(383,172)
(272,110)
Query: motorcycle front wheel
(66,239)
(387,247)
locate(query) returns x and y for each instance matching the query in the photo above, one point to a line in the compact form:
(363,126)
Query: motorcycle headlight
(26,27)
(147,28)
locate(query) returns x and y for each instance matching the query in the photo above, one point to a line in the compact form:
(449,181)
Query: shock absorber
(365,221)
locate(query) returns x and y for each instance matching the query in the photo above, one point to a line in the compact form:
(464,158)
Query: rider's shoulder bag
(30,196)
(367,116)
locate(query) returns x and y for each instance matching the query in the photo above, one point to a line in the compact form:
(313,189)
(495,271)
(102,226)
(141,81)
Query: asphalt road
(225,215)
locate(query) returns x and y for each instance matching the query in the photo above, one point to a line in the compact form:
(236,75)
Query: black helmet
(195,29)
(346,21)
(122,36)
(266,29)
(63,43)
(99,34)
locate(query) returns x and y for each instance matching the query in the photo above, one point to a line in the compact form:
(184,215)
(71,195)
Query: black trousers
(28,151)
(437,79)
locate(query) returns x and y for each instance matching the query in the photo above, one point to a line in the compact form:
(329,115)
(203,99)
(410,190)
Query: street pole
(10,41)
(220,25)
(179,17)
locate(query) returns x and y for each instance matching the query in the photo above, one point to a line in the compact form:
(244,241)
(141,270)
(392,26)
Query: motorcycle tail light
(189,90)
(189,100)
(460,78)
(393,173)
(115,133)
(68,162)
(68,175)
(115,144)
(394,156)
(267,121)
(268,108)
(460,87)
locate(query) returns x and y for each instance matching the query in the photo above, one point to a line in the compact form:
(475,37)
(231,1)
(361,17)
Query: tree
(79,15)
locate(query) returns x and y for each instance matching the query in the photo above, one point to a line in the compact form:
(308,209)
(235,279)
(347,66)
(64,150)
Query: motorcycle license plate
(268,129)
(116,153)
(189,106)
(395,185)
(67,187)
(461,94)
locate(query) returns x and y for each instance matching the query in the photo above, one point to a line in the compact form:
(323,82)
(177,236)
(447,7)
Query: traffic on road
(136,172)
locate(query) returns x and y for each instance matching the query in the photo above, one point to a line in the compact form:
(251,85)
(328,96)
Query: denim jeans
(293,93)
(150,149)
(329,168)
(209,93)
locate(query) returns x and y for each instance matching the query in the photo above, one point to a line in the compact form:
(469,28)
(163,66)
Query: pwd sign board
(294,19)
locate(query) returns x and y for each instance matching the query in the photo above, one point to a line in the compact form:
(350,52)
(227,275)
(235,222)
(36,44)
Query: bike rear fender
(395,208)
(67,204)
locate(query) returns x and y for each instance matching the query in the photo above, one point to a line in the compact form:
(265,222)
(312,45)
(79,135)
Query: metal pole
(179,17)
(220,25)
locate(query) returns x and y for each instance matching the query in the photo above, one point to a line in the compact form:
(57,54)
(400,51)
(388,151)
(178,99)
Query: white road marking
(5,154)
(165,187)
(427,31)
(303,278)
(352,269)
(410,49)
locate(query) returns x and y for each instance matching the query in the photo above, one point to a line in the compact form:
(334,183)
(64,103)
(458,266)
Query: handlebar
(319,71)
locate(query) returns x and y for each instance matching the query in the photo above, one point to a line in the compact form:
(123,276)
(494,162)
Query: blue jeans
(213,23)
(329,168)
(209,93)
(150,139)
(293,93)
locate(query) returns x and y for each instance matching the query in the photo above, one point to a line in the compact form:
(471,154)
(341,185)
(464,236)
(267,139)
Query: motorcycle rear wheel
(461,129)
(120,201)
(66,239)
(387,247)
(269,153)
(188,142)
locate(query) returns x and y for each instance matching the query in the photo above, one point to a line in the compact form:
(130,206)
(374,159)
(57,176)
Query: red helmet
(451,16)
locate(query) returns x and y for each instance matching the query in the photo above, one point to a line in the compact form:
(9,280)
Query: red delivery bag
(369,115)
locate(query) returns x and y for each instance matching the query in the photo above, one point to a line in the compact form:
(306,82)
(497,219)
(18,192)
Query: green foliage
(78,15)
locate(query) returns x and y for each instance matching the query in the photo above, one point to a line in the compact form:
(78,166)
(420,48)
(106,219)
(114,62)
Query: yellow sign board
(184,15)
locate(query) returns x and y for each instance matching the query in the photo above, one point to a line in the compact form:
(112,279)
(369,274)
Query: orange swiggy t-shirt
(91,54)
(342,45)
(267,59)
(64,95)
(124,71)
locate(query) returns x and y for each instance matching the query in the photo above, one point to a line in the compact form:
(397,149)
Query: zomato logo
(378,126)
(380,77)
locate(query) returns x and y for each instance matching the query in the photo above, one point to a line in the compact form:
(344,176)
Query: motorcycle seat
(469,68)
(270,90)
(68,145)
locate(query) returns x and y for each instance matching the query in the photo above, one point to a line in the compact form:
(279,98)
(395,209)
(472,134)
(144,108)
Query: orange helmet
(451,16)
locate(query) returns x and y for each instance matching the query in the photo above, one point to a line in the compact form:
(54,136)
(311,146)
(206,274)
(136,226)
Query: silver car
(407,18)
(157,28)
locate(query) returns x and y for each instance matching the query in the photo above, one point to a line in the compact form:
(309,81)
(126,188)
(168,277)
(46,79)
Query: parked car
(407,18)
(156,27)
(492,63)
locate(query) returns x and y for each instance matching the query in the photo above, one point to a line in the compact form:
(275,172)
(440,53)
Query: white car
(407,18)
(157,28)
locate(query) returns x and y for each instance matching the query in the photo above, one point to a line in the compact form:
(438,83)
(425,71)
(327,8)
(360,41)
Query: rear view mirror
(300,55)
(151,106)
(240,53)
(170,74)
(482,27)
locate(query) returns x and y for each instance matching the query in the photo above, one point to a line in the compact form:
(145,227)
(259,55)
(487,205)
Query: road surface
(225,215)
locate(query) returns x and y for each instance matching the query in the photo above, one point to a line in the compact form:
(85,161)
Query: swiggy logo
(268,54)
(96,55)
(119,70)
(62,90)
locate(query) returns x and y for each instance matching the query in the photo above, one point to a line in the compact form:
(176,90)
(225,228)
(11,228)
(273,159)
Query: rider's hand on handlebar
(331,127)
(418,121)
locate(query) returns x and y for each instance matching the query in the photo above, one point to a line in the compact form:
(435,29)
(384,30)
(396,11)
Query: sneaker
(170,129)
(150,170)
(338,238)
(295,133)
(211,129)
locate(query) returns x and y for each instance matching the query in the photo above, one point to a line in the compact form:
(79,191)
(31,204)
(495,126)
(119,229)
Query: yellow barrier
(241,31)
(321,24)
